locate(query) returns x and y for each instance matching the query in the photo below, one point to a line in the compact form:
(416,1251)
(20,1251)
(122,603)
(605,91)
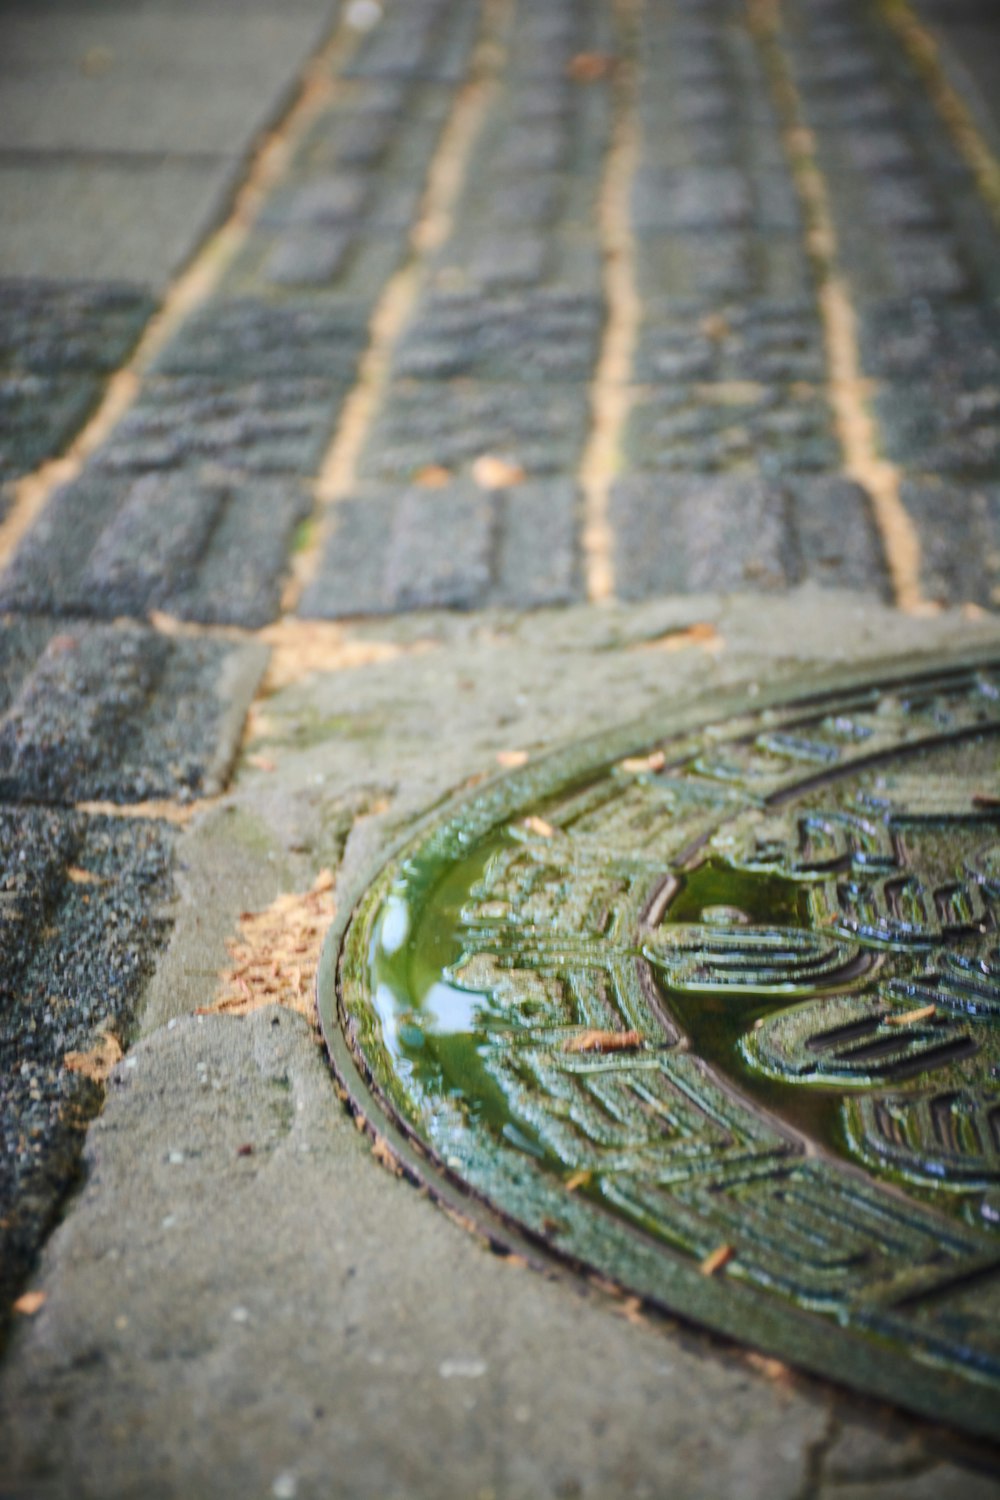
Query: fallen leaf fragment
(511,759)
(631,1311)
(98,1062)
(636,764)
(578,1180)
(719,1257)
(923,1013)
(589,67)
(539,826)
(29,1303)
(261,762)
(603,1041)
(383,1155)
(702,633)
(432,477)
(492,473)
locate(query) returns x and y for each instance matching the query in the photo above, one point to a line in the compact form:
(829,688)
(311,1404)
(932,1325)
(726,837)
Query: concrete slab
(110,221)
(242,1302)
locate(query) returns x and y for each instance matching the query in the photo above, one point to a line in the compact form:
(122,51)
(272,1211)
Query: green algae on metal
(735,978)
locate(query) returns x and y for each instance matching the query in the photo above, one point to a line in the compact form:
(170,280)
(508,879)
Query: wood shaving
(261,762)
(539,826)
(276,954)
(432,477)
(719,1257)
(603,1041)
(589,67)
(492,473)
(511,759)
(923,1013)
(98,1062)
(703,634)
(79,876)
(636,764)
(30,1303)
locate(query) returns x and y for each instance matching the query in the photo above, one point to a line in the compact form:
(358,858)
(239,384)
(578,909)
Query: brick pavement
(716,283)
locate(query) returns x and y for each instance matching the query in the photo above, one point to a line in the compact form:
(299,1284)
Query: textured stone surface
(539,336)
(207,546)
(384,551)
(451,424)
(80,925)
(98,712)
(684,533)
(262,426)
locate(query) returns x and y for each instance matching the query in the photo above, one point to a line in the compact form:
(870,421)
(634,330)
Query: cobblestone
(97,712)
(210,546)
(776,535)
(57,341)
(383,554)
(80,925)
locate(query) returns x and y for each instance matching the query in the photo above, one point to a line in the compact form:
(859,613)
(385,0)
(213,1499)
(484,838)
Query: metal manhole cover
(711,1007)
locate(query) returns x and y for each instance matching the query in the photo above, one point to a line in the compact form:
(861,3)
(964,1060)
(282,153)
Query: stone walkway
(609,311)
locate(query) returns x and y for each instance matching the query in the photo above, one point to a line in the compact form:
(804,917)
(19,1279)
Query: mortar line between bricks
(188,290)
(432,226)
(846,387)
(924,54)
(611,392)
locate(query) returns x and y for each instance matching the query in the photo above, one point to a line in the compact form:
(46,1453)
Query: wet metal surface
(709,1006)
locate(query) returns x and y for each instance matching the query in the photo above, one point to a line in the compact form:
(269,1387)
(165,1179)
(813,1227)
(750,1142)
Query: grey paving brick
(330,199)
(155,540)
(211,547)
(698,199)
(81,920)
(933,427)
(439,549)
(457,547)
(39,415)
(686,533)
(308,257)
(537,560)
(770,341)
(427,39)
(351,576)
(958,526)
(119,714)
(453,423)
(239,580)
(835,534)
(247,339)
(535,336)
(50,326)
(709,428)
(957,342)
(263,426)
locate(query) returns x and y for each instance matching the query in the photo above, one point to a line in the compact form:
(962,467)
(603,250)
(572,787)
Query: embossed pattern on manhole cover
(710,1006)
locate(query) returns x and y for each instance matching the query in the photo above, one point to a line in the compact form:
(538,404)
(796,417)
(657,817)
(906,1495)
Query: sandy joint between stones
(433,225)
(848,391)
(610,390)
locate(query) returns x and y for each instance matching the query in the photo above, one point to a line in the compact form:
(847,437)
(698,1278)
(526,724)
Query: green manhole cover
(710,1007)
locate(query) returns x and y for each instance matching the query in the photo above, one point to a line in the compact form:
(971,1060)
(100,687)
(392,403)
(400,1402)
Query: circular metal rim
(738,1314)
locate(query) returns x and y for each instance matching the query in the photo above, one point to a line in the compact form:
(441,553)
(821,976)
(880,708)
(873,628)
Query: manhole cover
(710,1007)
